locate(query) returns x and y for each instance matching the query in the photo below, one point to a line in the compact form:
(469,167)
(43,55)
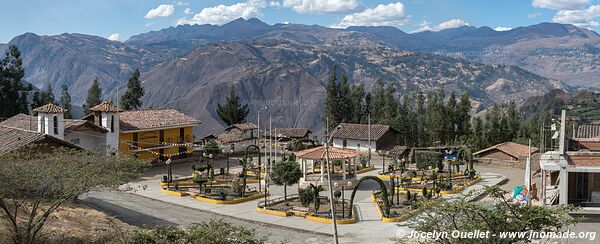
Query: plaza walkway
(369,229)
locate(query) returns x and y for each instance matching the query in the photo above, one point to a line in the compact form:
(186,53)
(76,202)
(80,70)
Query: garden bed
(458,184)
(403,210)
(293,207)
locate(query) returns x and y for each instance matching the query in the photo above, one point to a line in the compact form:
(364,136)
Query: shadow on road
(124,214)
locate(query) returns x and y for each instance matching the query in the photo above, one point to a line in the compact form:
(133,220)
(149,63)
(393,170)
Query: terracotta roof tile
(588,131)
(74,124)
(395,150)
(292,132)
(15,138)
(229,137)
(319,153)
(511,148)
(587,159)
(243,126)
(50,109)
(105,107)
(21,121)
(153,118)
(361,131)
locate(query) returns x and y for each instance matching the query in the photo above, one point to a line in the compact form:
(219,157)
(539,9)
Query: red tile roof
(22,121)
(318,153)
(243,126)
(50,109)
(361,131)
(511,148)
(154,118)
(584,160)
(588,131)
(105,107)
(15,138)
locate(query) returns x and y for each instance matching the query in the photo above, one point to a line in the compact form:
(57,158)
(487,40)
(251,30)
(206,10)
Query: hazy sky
(120,19)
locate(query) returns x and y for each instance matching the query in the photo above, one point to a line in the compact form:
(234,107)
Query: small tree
(232,112)
(65,101)
(306,196)
(39,180)
(94,96)
(316,189)
(211,147)
(245,163)
(286,174)
(132,99)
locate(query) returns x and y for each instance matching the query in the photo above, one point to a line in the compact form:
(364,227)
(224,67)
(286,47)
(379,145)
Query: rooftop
(50,108)
(105,107)
(319,153)
(22,121)
(243,126)
(588,131)
(154,118)
(511,148)
(15,138)
(361,131)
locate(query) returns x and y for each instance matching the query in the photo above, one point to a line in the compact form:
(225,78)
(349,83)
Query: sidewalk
(369,229)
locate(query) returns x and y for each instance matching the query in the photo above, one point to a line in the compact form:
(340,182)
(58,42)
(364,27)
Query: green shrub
(425,159)
(306,196)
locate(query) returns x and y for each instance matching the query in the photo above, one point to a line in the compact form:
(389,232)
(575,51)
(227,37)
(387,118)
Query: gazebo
(313,160)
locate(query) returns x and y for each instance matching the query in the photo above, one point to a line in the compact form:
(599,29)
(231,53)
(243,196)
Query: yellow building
(149,133)
(157,133)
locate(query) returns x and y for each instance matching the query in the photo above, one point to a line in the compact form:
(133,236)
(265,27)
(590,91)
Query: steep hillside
(75,59)
(560,51)
(583,105)
(286,70)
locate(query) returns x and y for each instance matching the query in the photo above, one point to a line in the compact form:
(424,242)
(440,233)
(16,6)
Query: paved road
(142,211)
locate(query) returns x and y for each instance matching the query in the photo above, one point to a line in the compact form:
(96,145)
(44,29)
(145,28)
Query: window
(55,124)
(43,124)
(100,119)
(112,123)
(75,141)
(344,143)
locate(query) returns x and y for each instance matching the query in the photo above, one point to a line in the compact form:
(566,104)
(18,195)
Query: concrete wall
(46,125)
(89,140)
(362,146)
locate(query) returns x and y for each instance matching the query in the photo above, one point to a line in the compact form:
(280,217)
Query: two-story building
(571,174)
(149,133)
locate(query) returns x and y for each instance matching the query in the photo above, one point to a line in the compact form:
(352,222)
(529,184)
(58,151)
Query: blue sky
(119,19)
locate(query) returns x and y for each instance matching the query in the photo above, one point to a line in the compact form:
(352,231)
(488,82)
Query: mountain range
(285,66)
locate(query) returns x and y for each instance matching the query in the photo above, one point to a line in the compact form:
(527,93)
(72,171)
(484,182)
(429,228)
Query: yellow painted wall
(149,139)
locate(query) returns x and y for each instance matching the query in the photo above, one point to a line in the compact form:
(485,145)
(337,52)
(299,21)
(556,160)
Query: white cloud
(392,14)
(188,11)
(164,10)
(453,23)
(560,4)
(500,28)
(581,18)
(322,6)
(114,37)
(533,15)
(222,14)
(275,4)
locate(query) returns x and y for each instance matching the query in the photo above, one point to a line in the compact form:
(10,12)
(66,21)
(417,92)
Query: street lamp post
(210,168)
(332,206)
(169,173)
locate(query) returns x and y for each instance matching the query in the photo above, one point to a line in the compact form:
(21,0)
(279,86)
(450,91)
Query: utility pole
(369,121)
(331,204)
